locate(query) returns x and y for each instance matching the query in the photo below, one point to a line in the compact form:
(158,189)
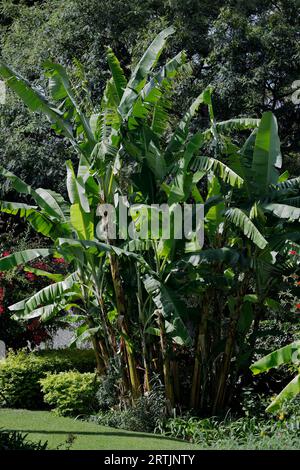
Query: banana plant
(128,147)
(102,142)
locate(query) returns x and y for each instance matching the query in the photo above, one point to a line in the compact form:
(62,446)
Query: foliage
(21,282)
(131,146)
(108,393)
(253,63)
(287,355)
(15,440)
(233,433)
(20,374)
(77,32)
(143,416)
(70,393)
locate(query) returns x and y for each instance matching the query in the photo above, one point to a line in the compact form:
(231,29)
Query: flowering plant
(19,283)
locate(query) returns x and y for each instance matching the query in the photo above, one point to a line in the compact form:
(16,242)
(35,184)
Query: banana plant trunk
(200,357)
(121,306)
(169,389)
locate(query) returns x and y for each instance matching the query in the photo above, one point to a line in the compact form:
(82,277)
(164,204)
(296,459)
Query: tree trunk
(101,367)
(169,391)
(200,356)
(121,306)
(225,369)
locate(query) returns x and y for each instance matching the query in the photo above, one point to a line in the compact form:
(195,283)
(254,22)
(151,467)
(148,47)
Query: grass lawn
(44,426)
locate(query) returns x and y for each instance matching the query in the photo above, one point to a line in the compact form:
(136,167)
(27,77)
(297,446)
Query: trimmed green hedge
(21,372)
(70,393)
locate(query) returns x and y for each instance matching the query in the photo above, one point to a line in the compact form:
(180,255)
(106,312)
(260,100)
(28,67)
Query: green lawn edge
(45,426)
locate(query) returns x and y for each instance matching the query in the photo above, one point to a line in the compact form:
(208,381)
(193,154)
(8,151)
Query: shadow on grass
(128,434)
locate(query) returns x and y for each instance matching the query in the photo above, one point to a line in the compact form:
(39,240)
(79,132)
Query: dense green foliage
(21,372)
(131,146)
(70,393)
(212,124)
(249,51)
(233,434)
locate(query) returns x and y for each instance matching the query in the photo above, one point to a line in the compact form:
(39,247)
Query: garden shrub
(143,416)
(70,393)
(21,372)
(15,440)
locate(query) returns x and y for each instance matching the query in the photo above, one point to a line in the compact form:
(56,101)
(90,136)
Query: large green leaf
(242,221)
(290,391)
(82,222)
(283,211)
(48,295)
(44,198)
(169,305)
(180,135)
(181,186)
(76,188)
(214,255)
(219,168)
(145,65)
(276,358)
(117,72)
(61,89)
(267,155)
(236,124)
(22,257)
(34,100)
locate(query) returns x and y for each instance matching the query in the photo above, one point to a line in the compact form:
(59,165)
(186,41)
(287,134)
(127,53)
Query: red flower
(30,276)
(293,252)
(40,265)
(298,306)
(59,260)
(5,253)
(2,309)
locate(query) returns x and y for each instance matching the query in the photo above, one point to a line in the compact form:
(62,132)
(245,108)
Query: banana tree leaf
(22,257)
(167,302)
(241,220)
(82,222)
(214,255)
(42,197)
(34,100)
(220,169)
(38,220)
(61,88)
(147,62)
(236,124)
(276,358)
(267,155)
(117,72)
(76,188)
(181,133)
(182,184)
(283,211)
(47,295)
(289,392)
(99,249)
(82,335)
(41,272)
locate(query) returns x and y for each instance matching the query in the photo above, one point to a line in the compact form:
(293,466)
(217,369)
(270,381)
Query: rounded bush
(21,372)
(70,393)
